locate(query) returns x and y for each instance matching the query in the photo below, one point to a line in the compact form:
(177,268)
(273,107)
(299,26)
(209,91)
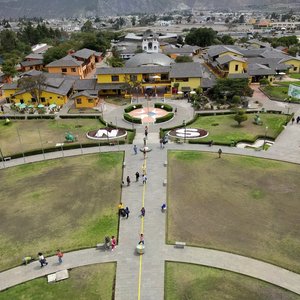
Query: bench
(7,158)
(180,245)
(100,246)
(165,163)
(165,182)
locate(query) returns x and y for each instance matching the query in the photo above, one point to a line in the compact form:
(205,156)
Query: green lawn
(243,205)
(193,282)
(24,135)
(278,92)
(85,283)
(83,111)
(224,129)
(67,203)
(295,76)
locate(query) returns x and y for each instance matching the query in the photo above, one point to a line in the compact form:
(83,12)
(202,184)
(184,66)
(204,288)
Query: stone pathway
(142,277)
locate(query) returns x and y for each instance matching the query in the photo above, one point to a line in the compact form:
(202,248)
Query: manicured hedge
(30,117)
(132,107)
(86,116)
(165,118)
(164,106)
(131,119)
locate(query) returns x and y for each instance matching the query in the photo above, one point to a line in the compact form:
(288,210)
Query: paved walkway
(142,277)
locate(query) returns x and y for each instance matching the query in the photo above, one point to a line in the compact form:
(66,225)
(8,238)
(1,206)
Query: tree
(33,85)
(182,59)
(87,26)
(227,39)
(133,21)
(225,89)
(201,37)
(242,19)
(9,68)
(54,53)
(240,116)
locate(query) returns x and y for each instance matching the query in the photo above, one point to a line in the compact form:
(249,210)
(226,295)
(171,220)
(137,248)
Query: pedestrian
(120,208)
(107,242)
(128,180)
(142,241)
(143,211)
(42,259)
(113,243)
(164,207)
(298,119)
(135,149)
(293,120)
(144,179)
(59,255)
(220,152)
(137,176)
(145,153)
(161,142)
(127,211)
(146,131)
(2,109)
(27,259)
(175,111)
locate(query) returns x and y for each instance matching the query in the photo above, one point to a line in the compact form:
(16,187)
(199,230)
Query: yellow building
(54,91)
(293,62)
(230,64)
(85,100)
(67,66)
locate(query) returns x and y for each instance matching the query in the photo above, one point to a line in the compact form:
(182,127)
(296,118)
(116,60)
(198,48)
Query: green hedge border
(165,118)
(132,107)
(164,106)
(131,119)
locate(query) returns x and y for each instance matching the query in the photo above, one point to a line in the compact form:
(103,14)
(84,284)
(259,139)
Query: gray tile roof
(174,50)
(32,73)
(217,50)
(208,82)
(224,59)
(84,53)
(137,70)
(10,86)
(288,58)
(63,89)
(181,70)
(67,61)
(258,69)
(240,75)
(29,63)
(272,63)
(273,53)
(84,93)
(110,86)
(35,56)
(85,84)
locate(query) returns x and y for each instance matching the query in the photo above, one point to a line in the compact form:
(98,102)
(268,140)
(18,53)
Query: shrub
(165,118)
(131,119)
(164,106)
(236,99)
(132,107)
(264,81)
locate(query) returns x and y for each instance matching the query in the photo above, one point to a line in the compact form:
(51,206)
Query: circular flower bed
(188,133)
(106,134)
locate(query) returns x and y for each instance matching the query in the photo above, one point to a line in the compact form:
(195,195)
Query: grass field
(239,204)
(279,92)
(193,282)
(85,283)
(224,129)
(295,76)
(38,134)
(83,111)
(67,203)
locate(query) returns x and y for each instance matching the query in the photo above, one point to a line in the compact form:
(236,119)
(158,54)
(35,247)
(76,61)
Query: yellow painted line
(142,231)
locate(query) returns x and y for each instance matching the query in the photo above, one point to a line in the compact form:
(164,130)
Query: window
(78,101)
(43,99)
(295,68)
(33,100)
(90,101)
(64,70)
(133,77)
(236,67)
(73,70)
(115,78)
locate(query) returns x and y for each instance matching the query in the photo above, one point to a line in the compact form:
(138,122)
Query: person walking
(135,149)
(127,212)
(2,109)
(128,180)
(298,119)
(220,152)
(143,212)
(137,176)
(107,242)
(144,179)
(146,132)
(293,120)
(59,255)
(161,142)
(142,241)
(120,208)
(42,259)
(113,243)
(145,153)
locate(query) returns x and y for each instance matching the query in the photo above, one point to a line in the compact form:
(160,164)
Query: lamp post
(266,130)
(184,124)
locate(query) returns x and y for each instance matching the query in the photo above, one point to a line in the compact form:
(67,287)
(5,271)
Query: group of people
(42,259)
(297,120)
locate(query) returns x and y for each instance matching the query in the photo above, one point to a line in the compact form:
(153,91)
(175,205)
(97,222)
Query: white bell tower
(150,44)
